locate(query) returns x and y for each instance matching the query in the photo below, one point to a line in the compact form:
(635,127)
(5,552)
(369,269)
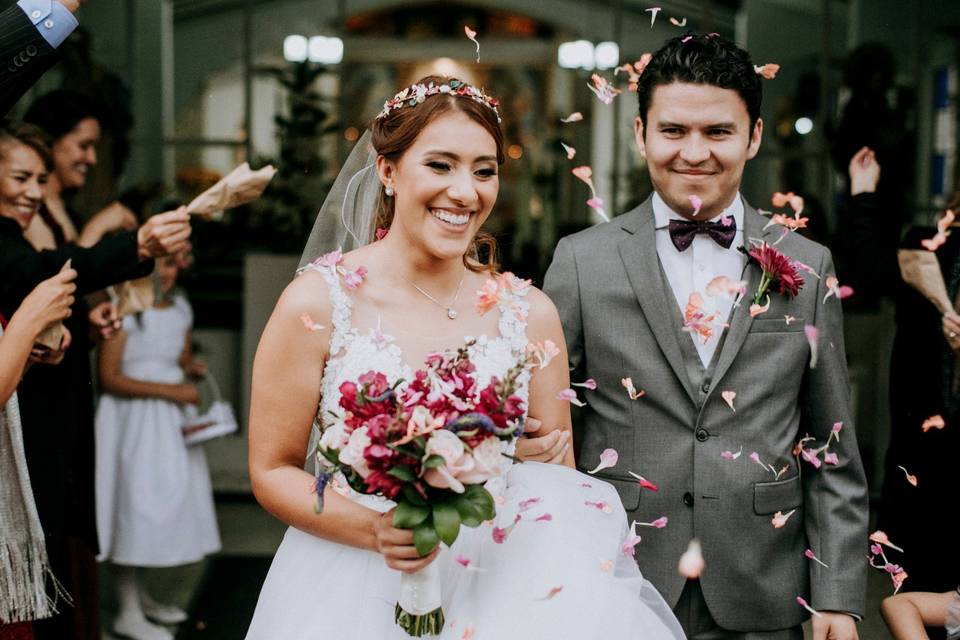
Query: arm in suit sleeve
(24,56)
(112,260)
(835,496)
(562,285)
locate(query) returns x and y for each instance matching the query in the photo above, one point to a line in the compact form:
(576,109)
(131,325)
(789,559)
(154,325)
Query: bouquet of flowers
(429,444)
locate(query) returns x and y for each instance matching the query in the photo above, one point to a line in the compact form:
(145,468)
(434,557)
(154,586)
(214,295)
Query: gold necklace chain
(451,312)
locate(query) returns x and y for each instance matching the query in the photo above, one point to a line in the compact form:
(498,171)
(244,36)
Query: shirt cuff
(53,20)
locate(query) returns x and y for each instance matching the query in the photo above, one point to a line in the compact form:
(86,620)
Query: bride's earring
(388,191)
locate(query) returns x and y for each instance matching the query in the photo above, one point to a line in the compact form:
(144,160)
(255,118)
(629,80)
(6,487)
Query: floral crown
(417,93)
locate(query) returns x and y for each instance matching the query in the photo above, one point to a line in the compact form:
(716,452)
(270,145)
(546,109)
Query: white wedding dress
(559,573)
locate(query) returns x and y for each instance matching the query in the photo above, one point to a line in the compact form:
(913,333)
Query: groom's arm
(835,496)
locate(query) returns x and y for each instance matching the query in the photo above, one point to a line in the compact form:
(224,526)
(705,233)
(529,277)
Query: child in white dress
(154,499)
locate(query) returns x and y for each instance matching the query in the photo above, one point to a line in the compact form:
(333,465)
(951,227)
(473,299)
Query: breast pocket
(780,495)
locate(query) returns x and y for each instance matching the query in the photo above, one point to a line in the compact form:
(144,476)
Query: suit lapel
(741,321)
(638,250)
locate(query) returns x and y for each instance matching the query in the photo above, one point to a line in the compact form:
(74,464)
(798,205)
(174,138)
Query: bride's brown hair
(396,132)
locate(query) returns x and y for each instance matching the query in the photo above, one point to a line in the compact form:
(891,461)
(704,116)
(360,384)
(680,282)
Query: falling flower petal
(696,203)
(523,505)
(686,39)
(728,397)
(499,535)
(589,383)
(659,523)
(898,579)
(467,564)
(912,479)
(606,565)
(678,23)
(810,456)
(569,395)
(782,471)
(812,337)
(603,89)
(653,11)
(724,287)
(831,458)
(789,319)
(943,231)
(600,504)
(467,633)
(834,288)
(627,546)
(541,353)
(552,593)
(767,71)
(608,459)
(811,556)
(597,205)
(696,320)
(691,563)
(756,309)
(881,538)
(803,603)
(571,152)
(780,519)
(473,37)
(584,173)
(933,422)
(544,518)
(309,323)
(627,384)
(576,116)
(730,455)
(644,483)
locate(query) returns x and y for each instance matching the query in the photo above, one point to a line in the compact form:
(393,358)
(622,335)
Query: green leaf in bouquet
(469,515)
(481,500)
(403,472)
(425,538)
(408,516)
(446,521)
(434,462)
(413,496)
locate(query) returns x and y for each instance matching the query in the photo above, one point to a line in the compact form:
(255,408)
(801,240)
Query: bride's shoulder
(543,313)
(307,294)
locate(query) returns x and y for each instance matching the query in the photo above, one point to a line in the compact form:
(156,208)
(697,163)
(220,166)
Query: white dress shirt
(691,270)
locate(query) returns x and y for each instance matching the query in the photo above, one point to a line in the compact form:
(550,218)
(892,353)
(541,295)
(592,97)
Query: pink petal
(499,535)
(544,518)
(813,335)
(309,323)
(526,504)
(552,593)
(653,11)
(627,547)
(780,519)
(576,116)
(728,397)
(463,561)
(803,603)
(643,482)
(627,384)
(678,23)
(726,221)
(756,309)
(571,152)
(831,458)
(597,205)
(837,426)
(473,37)
(691,562)
(696,203)
(811,457)
(933,422)
(660,522)
(608,459)
(584,172)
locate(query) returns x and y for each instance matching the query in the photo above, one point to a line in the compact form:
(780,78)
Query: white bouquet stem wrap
(420,591)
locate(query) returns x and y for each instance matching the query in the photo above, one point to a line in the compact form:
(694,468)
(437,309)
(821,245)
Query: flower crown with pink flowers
(417,93)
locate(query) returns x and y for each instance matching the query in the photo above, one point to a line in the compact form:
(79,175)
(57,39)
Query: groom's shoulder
(603,233)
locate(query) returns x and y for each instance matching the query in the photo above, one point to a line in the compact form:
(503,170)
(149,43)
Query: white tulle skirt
(558,574)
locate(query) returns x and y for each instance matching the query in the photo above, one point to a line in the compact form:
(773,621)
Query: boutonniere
(779,272)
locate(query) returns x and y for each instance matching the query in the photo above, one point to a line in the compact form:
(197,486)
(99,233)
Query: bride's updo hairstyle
(398,126)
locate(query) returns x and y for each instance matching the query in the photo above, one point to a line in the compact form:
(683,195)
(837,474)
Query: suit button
(705,387)
(31,50)
(702,435)
(688,499)
(24,57)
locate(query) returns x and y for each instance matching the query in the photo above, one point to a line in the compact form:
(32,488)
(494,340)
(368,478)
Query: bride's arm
(287,372)
(554,415)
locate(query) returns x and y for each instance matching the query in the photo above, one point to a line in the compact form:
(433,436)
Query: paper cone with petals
(240,186)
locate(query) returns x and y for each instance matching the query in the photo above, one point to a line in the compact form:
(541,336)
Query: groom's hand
(550,448)
(831,625)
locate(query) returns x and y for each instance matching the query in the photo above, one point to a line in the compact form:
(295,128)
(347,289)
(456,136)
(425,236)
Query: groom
(716,427)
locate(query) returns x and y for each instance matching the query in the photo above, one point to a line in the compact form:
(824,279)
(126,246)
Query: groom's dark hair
(701,59)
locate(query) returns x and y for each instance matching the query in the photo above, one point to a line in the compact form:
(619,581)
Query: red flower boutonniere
(778,271)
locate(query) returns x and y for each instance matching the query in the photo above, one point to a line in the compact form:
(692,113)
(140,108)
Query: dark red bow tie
(682,232)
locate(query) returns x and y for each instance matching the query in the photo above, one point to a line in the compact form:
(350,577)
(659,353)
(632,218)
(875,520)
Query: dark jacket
(24,56)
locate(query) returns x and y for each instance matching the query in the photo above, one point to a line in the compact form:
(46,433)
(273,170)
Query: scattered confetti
(309,323)
(569,395)
(653,11)
(576,116)
(912,479)
(811,556)
(678,23)
(728,397)
(943,230)
(644,483)
(834,288)
(608,459)
(933,422)
(813,336)
(696,203)
(803,603)
(571,152)
(780,519)
(473,37)
(691,563)
(627,384)
(603,89)
(730,455)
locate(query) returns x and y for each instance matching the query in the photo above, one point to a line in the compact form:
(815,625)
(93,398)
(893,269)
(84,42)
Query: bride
(555,567)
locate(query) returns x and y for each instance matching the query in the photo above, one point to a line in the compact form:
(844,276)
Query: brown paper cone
(52,336)
(921,270)
(134,296)
(240,186)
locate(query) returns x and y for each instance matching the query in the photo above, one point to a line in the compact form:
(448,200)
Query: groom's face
(696,141)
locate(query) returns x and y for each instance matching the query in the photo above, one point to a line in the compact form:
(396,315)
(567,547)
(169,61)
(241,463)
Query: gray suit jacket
(620,319)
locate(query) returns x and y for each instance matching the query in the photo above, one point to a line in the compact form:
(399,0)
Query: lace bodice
(354,351)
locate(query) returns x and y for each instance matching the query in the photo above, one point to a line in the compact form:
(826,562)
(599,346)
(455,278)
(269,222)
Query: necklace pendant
(451,313)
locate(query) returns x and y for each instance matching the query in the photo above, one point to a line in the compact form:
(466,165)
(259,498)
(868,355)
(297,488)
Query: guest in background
(56,402)
(154,499)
